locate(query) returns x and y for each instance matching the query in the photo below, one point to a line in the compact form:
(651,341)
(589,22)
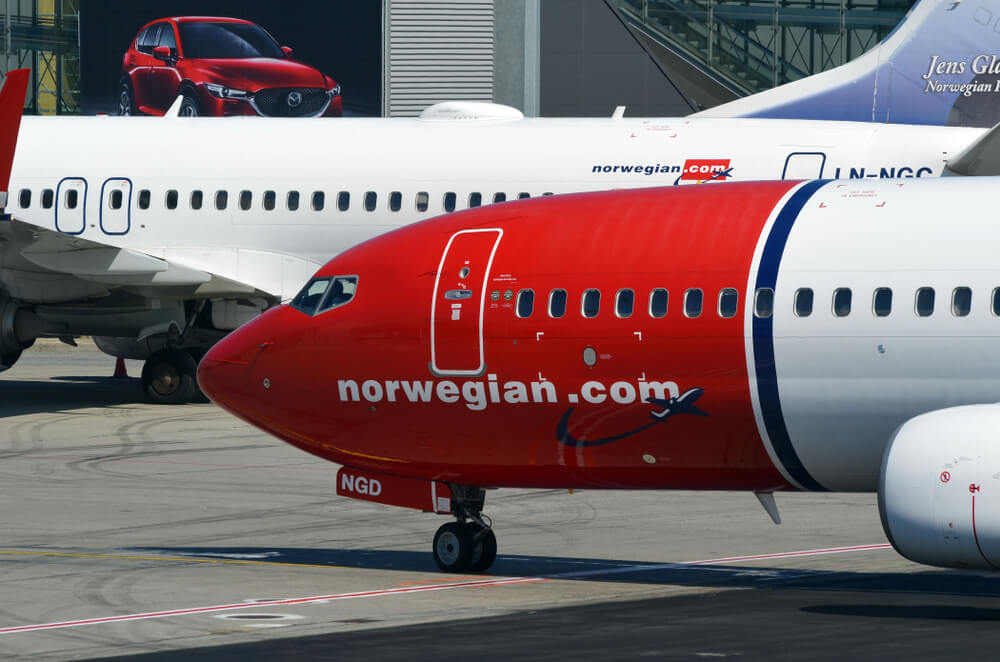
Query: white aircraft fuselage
(276,250)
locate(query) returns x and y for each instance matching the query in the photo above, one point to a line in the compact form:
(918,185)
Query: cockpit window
(322,294)
(340,292)
(308,299)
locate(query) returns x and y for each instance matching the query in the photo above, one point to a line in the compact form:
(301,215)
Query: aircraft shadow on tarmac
(930,582)
(18,397)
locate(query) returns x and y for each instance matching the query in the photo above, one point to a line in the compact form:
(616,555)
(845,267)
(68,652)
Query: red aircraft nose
(227,372)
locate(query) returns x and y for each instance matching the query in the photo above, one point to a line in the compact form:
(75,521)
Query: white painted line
(500,581)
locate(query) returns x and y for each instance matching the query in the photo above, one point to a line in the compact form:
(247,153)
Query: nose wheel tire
(484,549)
(169,377)
(464,547)
(453,547)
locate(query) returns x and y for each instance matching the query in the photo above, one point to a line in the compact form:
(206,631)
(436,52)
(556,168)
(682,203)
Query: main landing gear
(169,376)
(468,545)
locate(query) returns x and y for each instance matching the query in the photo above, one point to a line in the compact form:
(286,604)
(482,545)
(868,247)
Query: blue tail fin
(940,66)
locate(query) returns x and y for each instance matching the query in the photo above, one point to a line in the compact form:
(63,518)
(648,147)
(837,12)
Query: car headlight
(223,92)
(335,91)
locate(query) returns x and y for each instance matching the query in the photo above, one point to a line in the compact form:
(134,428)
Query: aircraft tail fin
(15,88)
(940,66)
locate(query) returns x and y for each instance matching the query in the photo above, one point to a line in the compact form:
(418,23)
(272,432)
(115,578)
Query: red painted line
(976,535)
(268,603)
(504,581)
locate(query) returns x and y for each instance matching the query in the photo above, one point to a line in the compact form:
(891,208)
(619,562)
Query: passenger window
(624,303)
(842,301)
(729,302)
(318,200)
(996,301)
(196,199)
(499,197)
(961,301)
(371,199)
(144,199)
(803,302)
(395,201)
(24,198)
(171,199)
(115,199)
(925,302)
(525,303)
(341,291)
(246,200)
(423,201)
(693,299)
(557,303)
(71,198)
(763,302)
(292,200)
(47,197)
(590,304)
(270,200)
(522,195)
(658,303)
(344,200)
(475,200)
(882,302)
(221,200)
(449,201)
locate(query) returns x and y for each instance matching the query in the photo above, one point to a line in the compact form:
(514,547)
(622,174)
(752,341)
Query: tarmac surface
(161,533)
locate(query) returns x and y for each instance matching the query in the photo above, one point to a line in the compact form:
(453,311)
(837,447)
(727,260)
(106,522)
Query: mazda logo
(294,99)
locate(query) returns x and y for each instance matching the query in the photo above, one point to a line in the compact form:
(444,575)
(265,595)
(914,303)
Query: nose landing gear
(468,544)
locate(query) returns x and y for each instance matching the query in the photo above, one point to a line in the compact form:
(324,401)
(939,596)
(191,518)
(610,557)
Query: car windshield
(227,41)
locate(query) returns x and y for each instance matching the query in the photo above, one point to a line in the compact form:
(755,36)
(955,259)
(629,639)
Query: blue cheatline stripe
(763,340)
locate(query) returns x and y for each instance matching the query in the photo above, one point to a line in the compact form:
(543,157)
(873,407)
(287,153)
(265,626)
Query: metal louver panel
(437,51)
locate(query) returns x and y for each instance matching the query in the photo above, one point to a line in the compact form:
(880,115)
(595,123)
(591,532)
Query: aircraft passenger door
(71,201)
(457,307)
(116,204)
(804,165)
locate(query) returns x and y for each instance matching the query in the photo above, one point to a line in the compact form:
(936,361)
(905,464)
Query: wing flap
(87,260)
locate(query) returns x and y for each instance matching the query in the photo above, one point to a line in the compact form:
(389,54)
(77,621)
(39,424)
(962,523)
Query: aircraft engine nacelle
(19,326)
(939,488)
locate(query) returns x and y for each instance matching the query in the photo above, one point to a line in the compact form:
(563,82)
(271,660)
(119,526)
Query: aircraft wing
(34,251)
(978,159)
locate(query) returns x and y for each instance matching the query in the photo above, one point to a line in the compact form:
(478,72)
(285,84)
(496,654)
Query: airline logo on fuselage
(478,394)
(706,170)
(693,170)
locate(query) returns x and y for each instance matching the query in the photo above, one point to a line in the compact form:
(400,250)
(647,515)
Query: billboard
(294,58)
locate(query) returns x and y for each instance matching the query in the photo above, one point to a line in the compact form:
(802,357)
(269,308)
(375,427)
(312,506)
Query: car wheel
(189,106)
(126,98)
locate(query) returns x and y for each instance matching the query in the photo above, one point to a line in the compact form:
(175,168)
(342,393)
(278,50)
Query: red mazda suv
(221,66)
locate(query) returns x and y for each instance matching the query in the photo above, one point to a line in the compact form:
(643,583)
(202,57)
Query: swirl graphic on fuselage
(672,407)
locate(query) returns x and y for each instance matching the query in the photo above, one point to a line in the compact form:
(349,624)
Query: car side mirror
(163,53)
(287,51)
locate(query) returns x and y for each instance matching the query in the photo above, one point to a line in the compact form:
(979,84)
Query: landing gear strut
(468,544)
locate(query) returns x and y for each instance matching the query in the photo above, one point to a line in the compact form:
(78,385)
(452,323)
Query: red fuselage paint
(357,384)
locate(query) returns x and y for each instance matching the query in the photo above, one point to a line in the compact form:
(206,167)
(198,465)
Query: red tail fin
(11,108)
